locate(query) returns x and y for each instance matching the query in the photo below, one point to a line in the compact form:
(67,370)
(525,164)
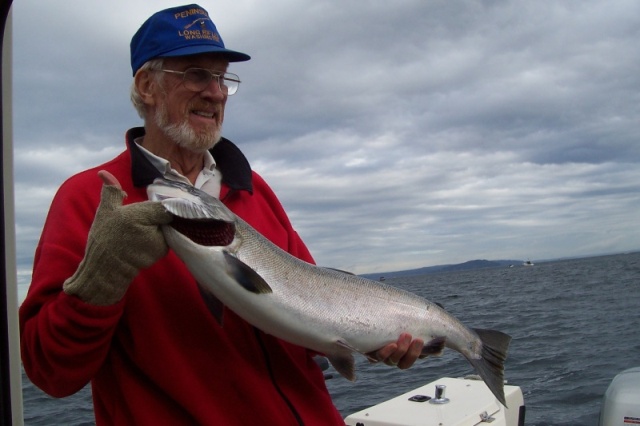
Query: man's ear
(147,86)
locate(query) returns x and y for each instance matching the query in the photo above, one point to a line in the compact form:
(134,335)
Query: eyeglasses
(197,79)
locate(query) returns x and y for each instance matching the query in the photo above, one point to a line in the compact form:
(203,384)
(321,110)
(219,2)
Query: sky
(397,134)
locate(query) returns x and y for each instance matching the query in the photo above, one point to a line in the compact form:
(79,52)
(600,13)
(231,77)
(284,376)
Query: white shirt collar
(208,172)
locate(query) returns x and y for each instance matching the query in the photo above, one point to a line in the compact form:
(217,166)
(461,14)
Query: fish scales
(325,310)
(349,299)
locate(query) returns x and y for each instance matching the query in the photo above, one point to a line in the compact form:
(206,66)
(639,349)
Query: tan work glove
(122,240)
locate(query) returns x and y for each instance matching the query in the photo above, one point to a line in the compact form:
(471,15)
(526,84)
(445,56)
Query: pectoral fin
(245,276)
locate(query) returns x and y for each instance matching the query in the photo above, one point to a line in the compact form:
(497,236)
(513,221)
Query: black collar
(235,168)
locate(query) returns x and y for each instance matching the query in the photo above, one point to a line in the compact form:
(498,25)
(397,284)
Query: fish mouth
(205,232)
(197,215)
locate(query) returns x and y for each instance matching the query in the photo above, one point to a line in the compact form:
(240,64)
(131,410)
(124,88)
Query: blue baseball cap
(178,31)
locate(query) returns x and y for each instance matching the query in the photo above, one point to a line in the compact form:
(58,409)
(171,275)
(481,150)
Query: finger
(384,353)
(109,179)
(414,351)
(404,341)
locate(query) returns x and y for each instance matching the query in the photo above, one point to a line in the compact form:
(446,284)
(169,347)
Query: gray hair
(151,65)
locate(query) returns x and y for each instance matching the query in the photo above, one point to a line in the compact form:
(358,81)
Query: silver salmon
(326,310)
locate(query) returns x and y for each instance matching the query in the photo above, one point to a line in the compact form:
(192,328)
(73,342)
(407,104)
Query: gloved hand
(122,240)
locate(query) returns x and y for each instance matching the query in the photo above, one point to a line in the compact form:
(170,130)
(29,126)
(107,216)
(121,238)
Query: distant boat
(382,278)
(527,263)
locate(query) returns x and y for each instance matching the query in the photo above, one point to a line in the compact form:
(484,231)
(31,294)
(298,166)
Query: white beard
(184,135)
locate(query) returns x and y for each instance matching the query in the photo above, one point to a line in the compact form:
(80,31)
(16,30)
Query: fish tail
(490,366)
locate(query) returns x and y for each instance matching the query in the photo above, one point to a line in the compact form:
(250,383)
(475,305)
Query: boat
(10,373)
(469,402)
(465,401)
(527,263)
(621,401)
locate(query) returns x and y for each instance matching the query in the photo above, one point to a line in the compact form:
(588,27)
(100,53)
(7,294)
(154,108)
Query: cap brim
(230,55)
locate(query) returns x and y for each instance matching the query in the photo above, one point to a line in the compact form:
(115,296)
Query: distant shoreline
(474,264)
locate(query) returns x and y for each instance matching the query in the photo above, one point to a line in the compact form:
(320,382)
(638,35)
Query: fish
(326,310)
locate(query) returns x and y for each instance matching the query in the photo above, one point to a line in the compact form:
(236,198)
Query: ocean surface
(575,325)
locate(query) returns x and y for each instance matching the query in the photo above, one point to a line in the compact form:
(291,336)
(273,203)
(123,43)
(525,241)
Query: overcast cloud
(397,134)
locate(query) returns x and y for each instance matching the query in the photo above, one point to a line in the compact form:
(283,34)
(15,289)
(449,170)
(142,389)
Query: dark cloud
(397,135)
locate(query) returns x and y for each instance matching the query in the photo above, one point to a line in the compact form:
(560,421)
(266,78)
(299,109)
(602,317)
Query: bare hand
(402,354)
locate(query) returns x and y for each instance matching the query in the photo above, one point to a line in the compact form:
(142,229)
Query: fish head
(202,218)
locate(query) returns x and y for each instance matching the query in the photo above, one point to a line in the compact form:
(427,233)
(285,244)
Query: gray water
(575,324)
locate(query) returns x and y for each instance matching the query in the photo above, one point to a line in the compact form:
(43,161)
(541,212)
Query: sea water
(575,325)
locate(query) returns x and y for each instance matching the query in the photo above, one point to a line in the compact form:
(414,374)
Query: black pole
(5,373)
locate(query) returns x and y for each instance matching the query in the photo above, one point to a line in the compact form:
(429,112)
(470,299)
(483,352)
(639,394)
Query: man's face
(191,119)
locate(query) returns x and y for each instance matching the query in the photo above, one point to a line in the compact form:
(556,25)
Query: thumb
(109,179)
(112,194)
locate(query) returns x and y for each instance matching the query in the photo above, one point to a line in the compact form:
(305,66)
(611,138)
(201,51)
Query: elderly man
(111,305)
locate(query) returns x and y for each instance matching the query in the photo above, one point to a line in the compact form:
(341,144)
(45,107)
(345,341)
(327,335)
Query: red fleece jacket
(158,356)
